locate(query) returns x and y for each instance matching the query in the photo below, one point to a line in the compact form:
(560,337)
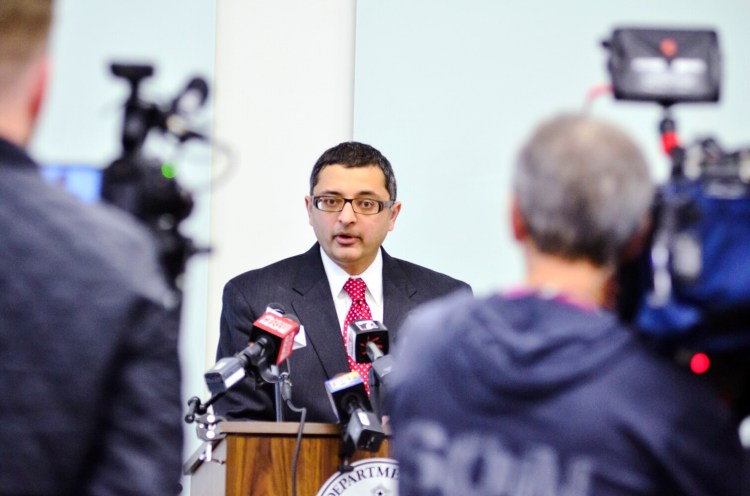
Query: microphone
(191,98)
(360,334)
(271,342)
(273,334)
(369,343)
(378,378)
(361,428)
(186,103)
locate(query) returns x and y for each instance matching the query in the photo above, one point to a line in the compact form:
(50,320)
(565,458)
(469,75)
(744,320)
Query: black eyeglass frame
(381,204)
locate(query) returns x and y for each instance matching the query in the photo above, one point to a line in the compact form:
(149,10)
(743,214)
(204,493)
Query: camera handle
(670,142)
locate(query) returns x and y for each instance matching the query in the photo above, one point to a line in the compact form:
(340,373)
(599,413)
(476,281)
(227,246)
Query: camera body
(144,186)
(687,292)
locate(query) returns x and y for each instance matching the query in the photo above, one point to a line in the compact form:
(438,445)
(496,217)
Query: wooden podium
(255,458)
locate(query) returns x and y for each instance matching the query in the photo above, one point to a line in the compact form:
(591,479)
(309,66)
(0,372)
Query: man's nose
(347,215)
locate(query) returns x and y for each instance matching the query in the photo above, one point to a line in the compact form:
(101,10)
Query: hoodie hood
(533,346)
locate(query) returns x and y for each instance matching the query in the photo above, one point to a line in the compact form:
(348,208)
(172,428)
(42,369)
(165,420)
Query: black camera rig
(143,186)
(687,293)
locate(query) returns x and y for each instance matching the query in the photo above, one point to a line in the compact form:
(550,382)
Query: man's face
(350,239)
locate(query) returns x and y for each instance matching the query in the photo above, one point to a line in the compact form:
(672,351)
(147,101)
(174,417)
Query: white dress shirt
(373,277)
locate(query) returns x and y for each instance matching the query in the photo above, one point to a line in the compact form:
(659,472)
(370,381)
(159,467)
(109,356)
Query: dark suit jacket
(300,284)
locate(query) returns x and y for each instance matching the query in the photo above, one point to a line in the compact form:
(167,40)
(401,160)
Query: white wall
(83,112)
(447,89)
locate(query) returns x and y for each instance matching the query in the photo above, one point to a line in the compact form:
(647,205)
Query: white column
(283,94)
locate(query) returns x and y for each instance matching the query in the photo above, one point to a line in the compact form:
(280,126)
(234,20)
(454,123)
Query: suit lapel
(315,309)
(397,293)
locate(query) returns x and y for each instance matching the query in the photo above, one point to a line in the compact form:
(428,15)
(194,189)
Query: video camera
(688,292)
(144,186)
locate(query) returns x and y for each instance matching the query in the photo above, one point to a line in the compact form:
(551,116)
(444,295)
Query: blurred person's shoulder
(439,319)
(90,242)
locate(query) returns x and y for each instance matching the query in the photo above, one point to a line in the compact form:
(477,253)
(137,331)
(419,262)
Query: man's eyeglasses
(364,206)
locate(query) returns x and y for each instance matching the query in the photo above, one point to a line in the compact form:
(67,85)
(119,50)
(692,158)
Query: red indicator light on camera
(700,363)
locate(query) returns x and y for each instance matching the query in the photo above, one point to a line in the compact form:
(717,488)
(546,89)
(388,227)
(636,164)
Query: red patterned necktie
(359,310)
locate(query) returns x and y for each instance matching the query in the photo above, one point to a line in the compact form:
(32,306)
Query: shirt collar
(373,276)
(15,156)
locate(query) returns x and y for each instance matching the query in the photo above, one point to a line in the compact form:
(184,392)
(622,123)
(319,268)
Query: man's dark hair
(354,154)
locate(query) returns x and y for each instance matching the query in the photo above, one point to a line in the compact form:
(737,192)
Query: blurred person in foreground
(540,389)
(89,372)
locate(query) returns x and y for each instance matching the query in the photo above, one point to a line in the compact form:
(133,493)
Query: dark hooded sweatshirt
(534,396)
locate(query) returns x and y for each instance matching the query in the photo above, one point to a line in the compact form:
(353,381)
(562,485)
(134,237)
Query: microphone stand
(379,371)
(277,398)
(284,388)
(196,408)
(206,425)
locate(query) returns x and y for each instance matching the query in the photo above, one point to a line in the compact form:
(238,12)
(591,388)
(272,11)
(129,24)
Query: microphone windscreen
(345,392)
(360,332)
(281,331)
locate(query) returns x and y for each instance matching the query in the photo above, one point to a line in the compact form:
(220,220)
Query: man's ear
(395,210)
(637,243)
(39,87)
(309,207)
(518,223)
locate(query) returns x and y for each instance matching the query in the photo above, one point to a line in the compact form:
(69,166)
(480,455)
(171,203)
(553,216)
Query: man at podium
(346,275)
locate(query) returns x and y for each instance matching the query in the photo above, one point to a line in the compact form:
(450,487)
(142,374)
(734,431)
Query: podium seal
(368,477)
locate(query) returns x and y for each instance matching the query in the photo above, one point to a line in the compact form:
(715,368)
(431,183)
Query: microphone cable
(286,395)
